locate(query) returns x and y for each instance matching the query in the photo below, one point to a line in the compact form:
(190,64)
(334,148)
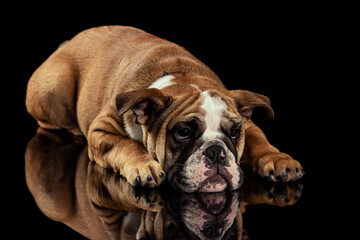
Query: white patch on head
(162,82)
(214,108)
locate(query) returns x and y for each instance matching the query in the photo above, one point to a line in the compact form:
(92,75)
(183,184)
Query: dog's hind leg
(51,94)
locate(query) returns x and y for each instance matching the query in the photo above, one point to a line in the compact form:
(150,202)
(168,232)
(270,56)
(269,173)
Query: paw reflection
(259,191)
(148,198)
(107,188)
(284,194)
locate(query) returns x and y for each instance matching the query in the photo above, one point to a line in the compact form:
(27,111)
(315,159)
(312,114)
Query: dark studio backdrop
(286,51)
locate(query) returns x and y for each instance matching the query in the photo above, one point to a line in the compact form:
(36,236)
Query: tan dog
(148,108)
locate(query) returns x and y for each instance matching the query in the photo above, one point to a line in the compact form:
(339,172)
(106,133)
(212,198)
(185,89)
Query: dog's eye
(235,133)
(182,133)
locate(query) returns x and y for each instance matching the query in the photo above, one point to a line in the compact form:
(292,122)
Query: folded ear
(247,101)
(144,103)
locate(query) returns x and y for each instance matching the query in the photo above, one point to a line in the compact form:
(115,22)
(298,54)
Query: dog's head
(197,133)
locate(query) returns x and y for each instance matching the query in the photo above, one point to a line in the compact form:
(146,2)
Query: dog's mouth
(218,178)
(215,183)
(201,179)
(212,168)
(214,180)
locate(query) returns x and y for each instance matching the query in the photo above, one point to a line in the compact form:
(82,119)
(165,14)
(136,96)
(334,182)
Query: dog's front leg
(266,160)
(110,147)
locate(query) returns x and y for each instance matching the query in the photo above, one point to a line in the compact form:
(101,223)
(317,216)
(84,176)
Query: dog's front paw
(279,167)
(143,172)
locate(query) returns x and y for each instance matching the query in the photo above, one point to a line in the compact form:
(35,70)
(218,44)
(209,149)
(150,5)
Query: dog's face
(203,145)
(197,136)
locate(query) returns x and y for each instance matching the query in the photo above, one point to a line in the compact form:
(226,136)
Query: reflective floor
(99,204)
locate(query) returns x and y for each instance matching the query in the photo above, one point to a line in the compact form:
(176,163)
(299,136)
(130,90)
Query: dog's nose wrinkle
(215,154)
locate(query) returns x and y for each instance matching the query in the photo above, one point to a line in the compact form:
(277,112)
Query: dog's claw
(145,174)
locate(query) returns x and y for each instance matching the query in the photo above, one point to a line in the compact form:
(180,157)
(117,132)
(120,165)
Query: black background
(293,52)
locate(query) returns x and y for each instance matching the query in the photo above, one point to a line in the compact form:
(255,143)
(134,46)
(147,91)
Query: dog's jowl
(152,111)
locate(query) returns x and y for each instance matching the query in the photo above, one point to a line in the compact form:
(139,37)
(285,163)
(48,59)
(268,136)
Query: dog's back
(75,83)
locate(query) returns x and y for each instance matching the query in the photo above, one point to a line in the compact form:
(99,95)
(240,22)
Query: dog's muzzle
(212,168)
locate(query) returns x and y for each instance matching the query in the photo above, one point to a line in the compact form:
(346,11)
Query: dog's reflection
(169,214)
(100,204)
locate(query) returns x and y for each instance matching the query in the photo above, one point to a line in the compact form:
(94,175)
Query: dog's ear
(246,102)
(143,103)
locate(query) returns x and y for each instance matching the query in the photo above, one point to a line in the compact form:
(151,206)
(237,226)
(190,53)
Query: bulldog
(151,110)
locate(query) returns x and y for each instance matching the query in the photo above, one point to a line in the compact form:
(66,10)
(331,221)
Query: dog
(152,111)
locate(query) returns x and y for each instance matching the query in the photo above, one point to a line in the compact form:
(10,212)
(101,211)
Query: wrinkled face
(197,135)
(204,144)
